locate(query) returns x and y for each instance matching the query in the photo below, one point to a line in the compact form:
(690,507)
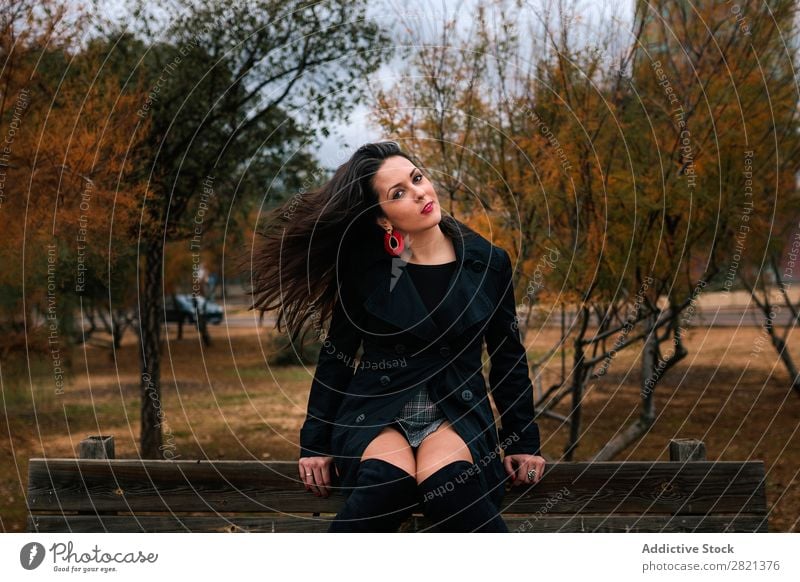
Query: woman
(409,423)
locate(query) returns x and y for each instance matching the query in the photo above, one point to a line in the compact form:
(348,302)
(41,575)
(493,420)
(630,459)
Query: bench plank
(134,485)
(287,524)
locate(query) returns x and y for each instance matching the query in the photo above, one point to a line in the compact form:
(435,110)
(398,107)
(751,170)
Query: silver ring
(309,474)
(531,474)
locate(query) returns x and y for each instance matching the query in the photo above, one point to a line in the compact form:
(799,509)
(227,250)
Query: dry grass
(226,403)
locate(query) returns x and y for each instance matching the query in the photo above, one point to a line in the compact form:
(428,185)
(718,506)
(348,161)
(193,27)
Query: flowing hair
(293,266)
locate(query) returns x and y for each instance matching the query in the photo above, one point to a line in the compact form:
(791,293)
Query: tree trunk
(578,381)
(654,366)
(150,352)
(786,357)
(650,375)
(771,313)
(120,323)
(780,342)
(200,319)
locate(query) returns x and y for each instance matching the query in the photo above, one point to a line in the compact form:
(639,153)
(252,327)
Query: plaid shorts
(420,417)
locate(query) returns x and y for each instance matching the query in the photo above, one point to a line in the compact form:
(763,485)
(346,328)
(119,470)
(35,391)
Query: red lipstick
(427,208)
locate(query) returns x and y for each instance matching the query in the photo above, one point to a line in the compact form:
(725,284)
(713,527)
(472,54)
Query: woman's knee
(391,446)
(440,448)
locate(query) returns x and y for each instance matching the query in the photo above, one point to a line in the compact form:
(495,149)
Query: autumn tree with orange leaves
(69,202)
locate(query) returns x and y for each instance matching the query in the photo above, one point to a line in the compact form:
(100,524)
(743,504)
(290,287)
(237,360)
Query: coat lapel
(396,300)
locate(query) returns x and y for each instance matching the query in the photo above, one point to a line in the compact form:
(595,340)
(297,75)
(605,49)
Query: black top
(431,282)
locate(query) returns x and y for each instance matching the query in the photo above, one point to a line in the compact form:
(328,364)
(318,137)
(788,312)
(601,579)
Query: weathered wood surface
(59,486)
(687,450)
(417,523)
(97,447)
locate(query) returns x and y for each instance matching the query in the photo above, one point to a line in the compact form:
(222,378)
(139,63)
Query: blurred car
(181,308)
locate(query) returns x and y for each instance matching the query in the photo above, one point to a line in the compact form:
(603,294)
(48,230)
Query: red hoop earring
(393,243)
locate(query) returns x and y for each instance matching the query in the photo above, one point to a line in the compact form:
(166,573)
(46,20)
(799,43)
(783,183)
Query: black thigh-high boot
(384,497)
(454,499)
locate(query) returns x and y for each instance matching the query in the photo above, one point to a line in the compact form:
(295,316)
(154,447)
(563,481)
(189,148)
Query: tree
(69,196)
(766,238)
(699,75)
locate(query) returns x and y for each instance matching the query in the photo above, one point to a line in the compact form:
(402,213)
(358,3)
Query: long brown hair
(295,257)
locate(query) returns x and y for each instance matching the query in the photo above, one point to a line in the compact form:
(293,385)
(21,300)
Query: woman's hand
(315,472)
(517,466)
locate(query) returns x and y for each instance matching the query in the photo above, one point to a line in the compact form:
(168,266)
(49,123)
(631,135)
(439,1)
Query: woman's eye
(394,196)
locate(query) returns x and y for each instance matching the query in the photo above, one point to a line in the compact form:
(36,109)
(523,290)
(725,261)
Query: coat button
(360,417)
(478,266)
(444,351)
(399,348)
(385,380)
(466,394)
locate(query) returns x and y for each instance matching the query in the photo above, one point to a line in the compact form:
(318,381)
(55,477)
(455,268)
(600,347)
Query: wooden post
(97,447)
(687,450)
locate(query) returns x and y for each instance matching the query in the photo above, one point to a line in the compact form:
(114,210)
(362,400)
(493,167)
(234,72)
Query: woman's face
(406,196)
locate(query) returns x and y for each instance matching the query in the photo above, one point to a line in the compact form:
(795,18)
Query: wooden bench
(686,494)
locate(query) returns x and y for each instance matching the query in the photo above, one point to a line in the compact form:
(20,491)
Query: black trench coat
(403,349)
